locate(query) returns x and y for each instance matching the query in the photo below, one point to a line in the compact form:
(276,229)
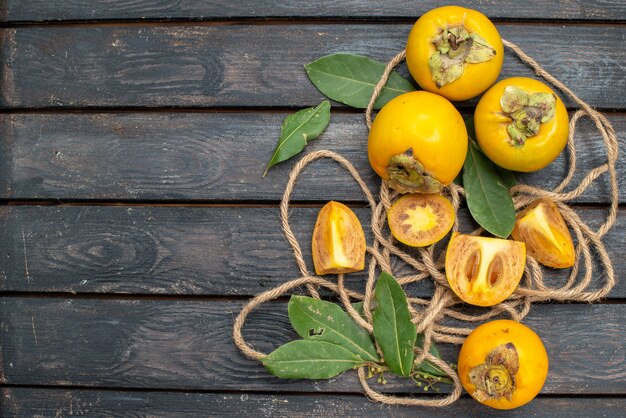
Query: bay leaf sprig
(393,328)
(297,129)
(487,193)
(308,359)
(487,189)
(319,320)
(427,367)
(351,79)
(346,78)
(332,342)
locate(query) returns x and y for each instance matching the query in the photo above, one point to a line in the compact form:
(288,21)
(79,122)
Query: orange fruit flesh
(338,243)
(419,220)
(484,271)
(542,228)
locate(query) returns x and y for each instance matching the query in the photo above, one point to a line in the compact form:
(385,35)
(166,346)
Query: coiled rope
(430,315)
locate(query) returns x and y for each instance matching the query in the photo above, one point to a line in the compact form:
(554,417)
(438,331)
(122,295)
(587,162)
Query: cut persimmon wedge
(338,243)
(419,220)
(542,228)
(484,271)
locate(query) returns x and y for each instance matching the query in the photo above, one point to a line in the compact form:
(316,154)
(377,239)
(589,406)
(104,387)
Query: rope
(430,315)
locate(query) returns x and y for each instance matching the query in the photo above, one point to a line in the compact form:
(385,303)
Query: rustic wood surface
(185,344)
(62,10)
(240,65)
(187,250)
(209,157)
(25,403)
(135,222)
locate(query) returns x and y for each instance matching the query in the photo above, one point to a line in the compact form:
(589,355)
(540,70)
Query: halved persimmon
(484,271)
(542,228)
(338,243)
(419,220)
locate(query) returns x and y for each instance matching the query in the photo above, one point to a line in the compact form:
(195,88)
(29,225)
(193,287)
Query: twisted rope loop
(430,315)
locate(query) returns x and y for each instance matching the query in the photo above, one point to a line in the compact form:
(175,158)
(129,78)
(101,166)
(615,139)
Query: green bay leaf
(419,342)
(297,129)
(319,320)
(507,177)
(306,359)
(487,194)
(393,329)
(427,366)
(350,79)
(358,306)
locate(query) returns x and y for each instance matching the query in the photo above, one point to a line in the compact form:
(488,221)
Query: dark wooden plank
(186,251)
(187,345)
(26,402)
(59,10)
(258,65)
(209,157)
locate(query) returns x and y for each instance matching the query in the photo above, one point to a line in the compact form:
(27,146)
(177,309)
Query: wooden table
(136,223)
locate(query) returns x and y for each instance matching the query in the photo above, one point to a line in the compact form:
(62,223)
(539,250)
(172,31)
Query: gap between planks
(7,294)
(464,107)
(182,203)
(265,392)
(243,204)
(286,21)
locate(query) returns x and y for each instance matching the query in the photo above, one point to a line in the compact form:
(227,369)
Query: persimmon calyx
(527,111)
(407,175)
(456,46)
(495,378)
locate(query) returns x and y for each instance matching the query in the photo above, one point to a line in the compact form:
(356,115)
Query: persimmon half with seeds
(419,220)
(484,271)
(338,243)
(542,228)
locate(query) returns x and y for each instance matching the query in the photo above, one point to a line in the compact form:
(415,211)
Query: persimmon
(503,364)
(484,271)
(418,142)
(338,243)
(521,124)
(542,228)
(455,52)
(419,220)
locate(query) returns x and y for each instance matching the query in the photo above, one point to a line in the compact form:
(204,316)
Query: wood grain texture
(104,107)
(187,345)
(211,157)
(259,65)
(59,10)
(219,251)
(25,402)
